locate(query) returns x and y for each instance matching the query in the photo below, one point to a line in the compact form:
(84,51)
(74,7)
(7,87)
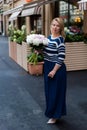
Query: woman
(55,72)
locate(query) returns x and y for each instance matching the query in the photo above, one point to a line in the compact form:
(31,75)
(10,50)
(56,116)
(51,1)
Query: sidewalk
(22,101)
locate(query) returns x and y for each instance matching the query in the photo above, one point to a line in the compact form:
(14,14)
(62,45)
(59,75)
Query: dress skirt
(55,91)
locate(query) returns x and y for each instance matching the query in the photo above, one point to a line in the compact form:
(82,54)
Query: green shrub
(17,35)
(75,38)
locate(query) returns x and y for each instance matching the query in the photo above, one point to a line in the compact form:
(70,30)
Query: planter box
(25,51)
(36,69)
(13,50)
(9,47)
(19,54)
(76,56)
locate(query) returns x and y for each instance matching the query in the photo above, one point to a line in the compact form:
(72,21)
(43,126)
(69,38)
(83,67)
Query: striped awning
(31,11)
(82,5)
(38,3)
(34,7)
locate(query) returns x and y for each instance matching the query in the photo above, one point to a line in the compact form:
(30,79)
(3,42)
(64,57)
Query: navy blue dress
(55,88)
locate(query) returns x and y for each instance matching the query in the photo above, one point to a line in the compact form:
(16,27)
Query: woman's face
(55,27)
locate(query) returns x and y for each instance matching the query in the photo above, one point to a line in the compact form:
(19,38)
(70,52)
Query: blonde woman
(55,72)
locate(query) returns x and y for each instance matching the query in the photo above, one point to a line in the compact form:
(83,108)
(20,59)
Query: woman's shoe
(51,121)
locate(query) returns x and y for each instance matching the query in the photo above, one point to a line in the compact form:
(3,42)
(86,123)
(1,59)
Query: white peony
(36,39)
(30,39)
(45,41)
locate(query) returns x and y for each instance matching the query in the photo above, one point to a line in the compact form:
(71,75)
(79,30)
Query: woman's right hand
(51,74)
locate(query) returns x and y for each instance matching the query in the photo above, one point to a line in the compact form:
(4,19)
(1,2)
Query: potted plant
(35,58)
(17,36)
(20,35)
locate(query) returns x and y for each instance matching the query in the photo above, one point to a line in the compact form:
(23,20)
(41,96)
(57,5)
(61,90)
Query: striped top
(55,50)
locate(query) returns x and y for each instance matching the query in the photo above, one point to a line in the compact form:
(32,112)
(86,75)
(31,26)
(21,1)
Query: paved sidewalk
(22,101)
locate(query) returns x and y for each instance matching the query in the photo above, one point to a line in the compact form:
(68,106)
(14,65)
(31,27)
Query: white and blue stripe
(55,51)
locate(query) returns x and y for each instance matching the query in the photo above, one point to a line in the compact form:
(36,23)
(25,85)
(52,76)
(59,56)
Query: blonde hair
(61,23)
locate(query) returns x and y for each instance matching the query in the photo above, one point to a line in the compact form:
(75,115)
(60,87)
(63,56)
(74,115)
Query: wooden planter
(25,51)
(19,54)
(76,56)
(13,50)
(9,47)
(36,69)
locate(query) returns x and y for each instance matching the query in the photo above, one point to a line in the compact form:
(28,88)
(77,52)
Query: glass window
(70,14)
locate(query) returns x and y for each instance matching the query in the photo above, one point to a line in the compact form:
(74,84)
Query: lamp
(28,0)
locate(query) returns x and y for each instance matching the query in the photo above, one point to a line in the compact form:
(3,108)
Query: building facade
(36,14)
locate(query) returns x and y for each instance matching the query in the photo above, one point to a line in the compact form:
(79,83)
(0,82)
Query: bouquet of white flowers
(36,42)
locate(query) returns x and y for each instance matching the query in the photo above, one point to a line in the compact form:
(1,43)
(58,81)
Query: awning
(34,8)
(16,9)
(38,3)
(82,5)
(31,11)
(82,1)
(14,15)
